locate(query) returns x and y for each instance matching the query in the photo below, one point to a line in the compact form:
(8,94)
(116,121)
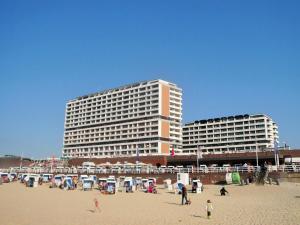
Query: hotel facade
(241,133)
(142,118)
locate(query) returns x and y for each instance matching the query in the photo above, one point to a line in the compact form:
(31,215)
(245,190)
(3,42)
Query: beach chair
(87,184)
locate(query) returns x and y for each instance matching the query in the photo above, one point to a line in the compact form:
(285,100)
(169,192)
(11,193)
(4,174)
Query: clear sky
(230,57)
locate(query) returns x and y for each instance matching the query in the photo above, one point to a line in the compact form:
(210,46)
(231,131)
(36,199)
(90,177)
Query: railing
(155,170)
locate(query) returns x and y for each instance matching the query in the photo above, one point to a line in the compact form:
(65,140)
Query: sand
(261,205)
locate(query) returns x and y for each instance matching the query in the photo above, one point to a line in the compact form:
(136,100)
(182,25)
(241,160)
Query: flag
(173,152)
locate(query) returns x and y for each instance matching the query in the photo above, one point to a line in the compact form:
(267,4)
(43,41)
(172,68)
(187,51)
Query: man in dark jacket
(223,191)
(184,195)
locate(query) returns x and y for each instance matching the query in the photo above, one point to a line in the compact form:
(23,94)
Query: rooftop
(124,87)
(218,119)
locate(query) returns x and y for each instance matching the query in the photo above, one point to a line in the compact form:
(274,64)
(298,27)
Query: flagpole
(197,157)
(21,161)
(51,166)
(137,154)
(276,154)
(256,156)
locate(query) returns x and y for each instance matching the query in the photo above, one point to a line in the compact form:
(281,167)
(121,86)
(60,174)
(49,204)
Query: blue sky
(230,57)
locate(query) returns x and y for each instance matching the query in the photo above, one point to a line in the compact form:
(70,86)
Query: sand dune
(251,205)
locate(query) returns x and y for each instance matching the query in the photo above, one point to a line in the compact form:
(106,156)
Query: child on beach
(96,202)
(209,208)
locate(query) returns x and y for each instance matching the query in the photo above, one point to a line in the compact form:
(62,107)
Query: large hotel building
(143,118)
(241,133)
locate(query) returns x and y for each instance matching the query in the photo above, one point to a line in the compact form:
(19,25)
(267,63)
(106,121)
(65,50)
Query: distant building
(231,134)
(144,116)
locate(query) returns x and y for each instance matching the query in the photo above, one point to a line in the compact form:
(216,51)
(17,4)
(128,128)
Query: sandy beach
(251,205)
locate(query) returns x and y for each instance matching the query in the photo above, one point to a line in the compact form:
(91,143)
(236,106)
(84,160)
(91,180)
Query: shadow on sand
(197,216)
(172,203)
(91,210)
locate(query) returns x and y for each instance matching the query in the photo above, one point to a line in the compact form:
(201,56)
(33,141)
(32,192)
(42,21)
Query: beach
(249,204)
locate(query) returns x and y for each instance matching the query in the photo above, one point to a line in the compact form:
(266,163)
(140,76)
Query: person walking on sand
(209,208)
(75,180)
(223,191)
(184,195)
(96,202)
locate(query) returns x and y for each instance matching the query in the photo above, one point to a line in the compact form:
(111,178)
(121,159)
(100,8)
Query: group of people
(209,206)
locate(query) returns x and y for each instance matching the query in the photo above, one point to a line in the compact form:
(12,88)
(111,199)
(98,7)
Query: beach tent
(58,179)
(68,183)
(183,178)
(87,184)
(152,180)
(111,187)
(74,177)
(46,177)
(236,178)
(26,178)
(102,183)
(32,180)
(196,186)
(128,184)
(144,184)
(23,176)
(151,188)
(5,178)
(120,182)
(12,176)
(228,178)
(168,184)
